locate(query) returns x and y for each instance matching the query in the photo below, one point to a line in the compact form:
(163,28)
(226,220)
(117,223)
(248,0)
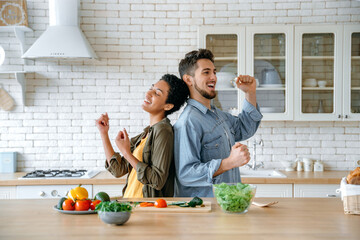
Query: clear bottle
(299,165)
(321,107)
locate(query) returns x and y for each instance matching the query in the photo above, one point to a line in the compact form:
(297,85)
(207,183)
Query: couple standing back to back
(202,150)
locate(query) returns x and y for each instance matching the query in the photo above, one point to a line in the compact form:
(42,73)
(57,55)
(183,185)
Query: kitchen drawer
(315,190)
(113,190)
(274,190)
(7,192)
(46,191)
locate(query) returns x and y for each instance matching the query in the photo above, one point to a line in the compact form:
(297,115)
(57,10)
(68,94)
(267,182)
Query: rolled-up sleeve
(247,122)
(190,170)
(118,166)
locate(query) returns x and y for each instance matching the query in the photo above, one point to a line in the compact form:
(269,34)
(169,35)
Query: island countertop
(104,177)
(299,218)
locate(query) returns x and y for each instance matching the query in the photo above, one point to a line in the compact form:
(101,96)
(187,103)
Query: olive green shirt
(157,170)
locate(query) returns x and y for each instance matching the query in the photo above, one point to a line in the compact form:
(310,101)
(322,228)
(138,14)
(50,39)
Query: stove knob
(42,194)
(54,193)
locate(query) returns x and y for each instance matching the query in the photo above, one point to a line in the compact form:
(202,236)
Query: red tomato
(82,205)
(68,205)
(94,204)
(160,203)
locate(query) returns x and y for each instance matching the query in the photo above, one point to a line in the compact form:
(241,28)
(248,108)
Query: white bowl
(310,82)
(224,79)
(321,83)
(289,165)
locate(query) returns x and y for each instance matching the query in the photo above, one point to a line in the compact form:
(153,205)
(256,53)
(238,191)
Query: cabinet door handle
(346,116)
(332,195)
(339,116)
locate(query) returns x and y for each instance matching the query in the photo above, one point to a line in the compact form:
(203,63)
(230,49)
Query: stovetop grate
(56,173)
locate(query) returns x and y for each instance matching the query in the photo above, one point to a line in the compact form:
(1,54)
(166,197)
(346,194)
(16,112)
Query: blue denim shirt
(202,138)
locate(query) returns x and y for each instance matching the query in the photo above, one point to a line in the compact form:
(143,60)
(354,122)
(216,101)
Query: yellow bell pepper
(78,193)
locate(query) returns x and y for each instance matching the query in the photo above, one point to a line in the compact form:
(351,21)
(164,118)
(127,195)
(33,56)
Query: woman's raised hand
(122,142)
(102,123)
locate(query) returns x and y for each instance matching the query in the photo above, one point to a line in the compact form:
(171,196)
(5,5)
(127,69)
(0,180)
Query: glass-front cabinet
(351,72)
(318,72)
(261,52)
(269,60)
(303,72)
(228,46)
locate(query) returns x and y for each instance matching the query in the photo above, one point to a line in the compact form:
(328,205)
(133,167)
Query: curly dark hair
(188,65)
(178,92)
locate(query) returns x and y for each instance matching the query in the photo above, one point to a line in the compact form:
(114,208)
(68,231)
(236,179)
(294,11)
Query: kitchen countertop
(299,218)
(104,177)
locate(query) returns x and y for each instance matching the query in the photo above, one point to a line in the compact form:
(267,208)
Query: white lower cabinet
(112,190)
(315,190)
(274,190)
(7,192)
(46,191)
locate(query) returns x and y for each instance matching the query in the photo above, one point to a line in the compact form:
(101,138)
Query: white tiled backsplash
(138,41)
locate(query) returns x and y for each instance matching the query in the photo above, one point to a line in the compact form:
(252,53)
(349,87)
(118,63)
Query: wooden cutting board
(175,209)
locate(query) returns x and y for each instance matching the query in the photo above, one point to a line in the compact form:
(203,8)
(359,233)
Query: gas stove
(60,174)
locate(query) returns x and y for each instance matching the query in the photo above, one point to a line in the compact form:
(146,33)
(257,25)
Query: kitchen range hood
(63,38)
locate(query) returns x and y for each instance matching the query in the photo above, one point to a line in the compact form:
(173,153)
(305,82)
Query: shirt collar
(199,105)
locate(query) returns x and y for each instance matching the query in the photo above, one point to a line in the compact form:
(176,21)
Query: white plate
(75,212)
(271,85)
(2,55)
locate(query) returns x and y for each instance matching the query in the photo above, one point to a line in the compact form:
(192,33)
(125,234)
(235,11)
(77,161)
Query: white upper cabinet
(228,46)
(351,73)
(269,59)
(304,72)
(262,52)
(318,72)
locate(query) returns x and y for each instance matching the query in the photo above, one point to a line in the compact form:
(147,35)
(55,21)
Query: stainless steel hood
(63,38)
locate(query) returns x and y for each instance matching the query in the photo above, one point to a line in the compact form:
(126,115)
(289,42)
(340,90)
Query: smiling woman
(148,157)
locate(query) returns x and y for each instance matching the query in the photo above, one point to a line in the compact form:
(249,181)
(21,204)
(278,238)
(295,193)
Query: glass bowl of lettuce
(234,197)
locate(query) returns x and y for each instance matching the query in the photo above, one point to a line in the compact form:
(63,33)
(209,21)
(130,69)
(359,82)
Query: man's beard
(204,93)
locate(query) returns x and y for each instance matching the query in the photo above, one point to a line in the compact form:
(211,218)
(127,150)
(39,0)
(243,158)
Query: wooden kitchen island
(299,218)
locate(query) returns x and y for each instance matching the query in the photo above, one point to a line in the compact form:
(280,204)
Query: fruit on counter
(68,205)
(94,203)
(78,193)
(82,205)
(160,203)
(59,205)
(102,196)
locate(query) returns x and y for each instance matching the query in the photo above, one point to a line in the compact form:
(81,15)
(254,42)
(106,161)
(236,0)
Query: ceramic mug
(308,164)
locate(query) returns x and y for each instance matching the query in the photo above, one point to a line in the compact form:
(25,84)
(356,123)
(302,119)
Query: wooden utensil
(264,204)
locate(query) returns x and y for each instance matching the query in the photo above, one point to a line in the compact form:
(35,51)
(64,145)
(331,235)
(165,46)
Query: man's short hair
(188,65)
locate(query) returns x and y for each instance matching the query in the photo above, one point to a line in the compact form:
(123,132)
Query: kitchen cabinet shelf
(355,58)
(269,58)
(20,78)
(225,58)
(227,89)
(318,88)
(275,88)
(318,57)
(355,88)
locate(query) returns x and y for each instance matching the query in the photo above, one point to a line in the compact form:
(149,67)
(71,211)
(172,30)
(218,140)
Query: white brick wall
(137,42)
